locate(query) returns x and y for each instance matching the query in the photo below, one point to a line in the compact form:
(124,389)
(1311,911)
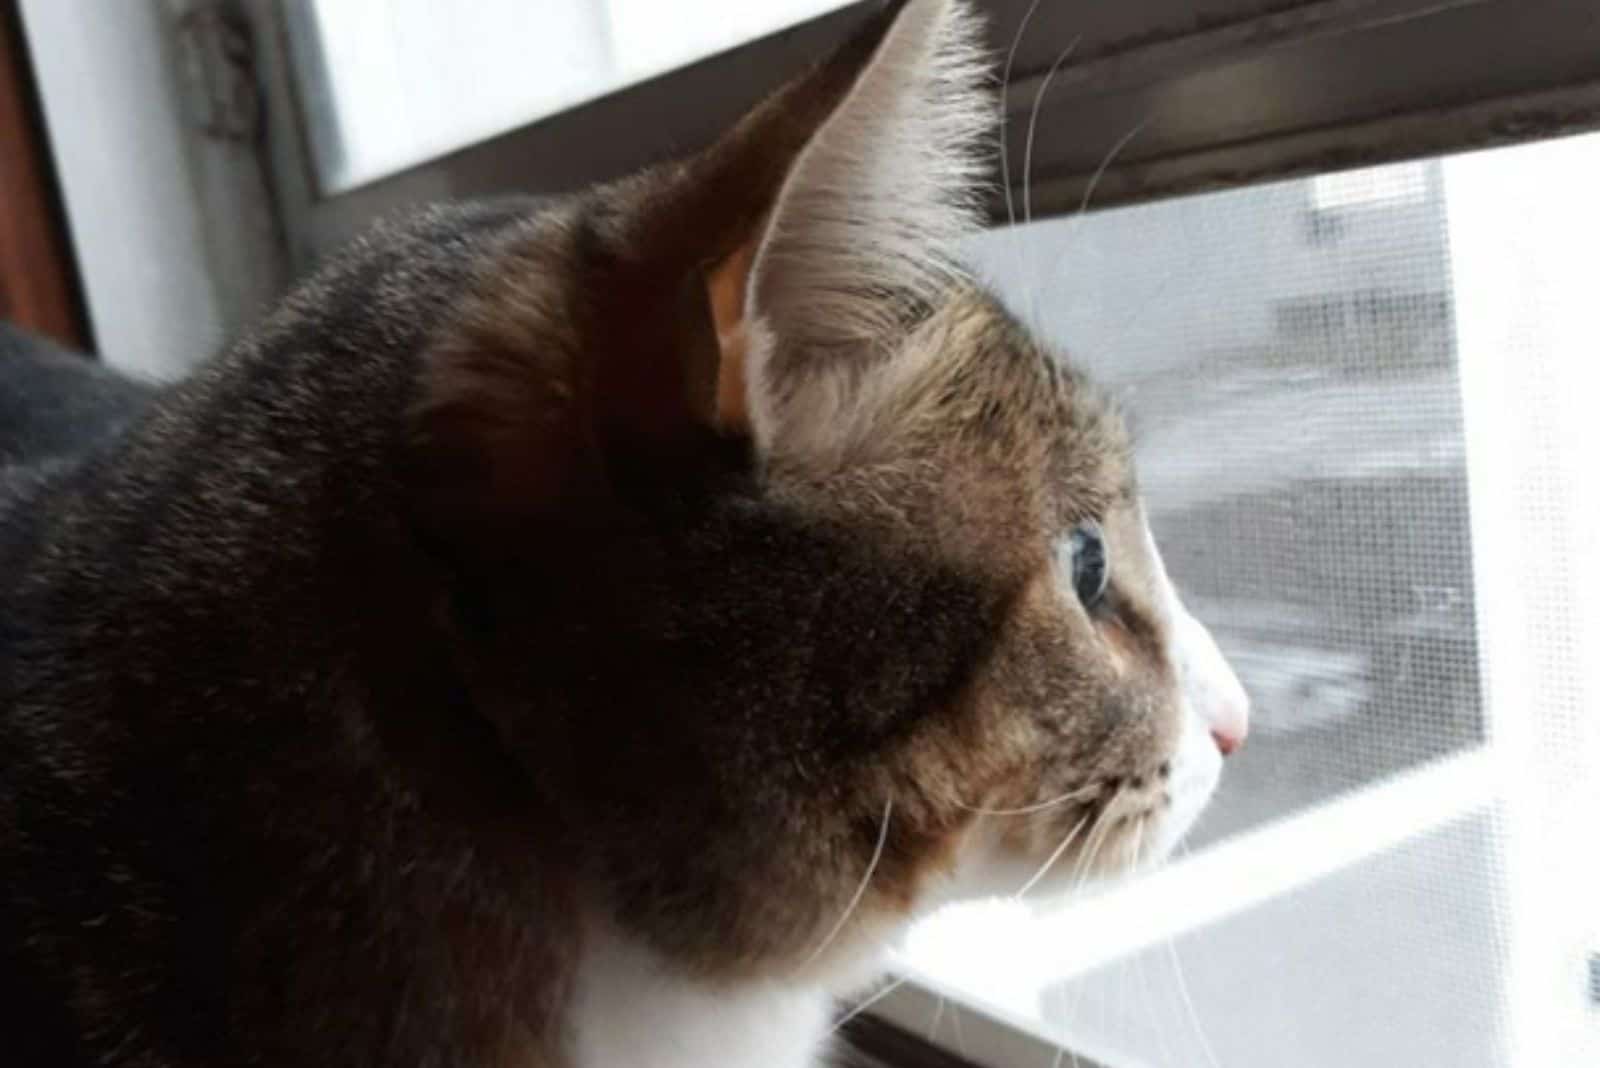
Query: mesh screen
(1293,356)
(1291,374)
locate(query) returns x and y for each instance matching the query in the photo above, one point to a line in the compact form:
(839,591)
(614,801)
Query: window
(1370,187)
(491,65)
(1383,510)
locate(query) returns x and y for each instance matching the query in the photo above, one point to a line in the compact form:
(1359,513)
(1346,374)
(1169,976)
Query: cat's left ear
(863,241)
(829,220)
(757,290)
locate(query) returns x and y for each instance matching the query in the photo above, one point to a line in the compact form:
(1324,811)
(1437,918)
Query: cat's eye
(1090,571)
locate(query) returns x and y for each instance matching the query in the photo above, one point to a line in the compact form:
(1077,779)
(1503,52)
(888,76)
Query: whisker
(1183,984)
(938,1014)
(955,1029)
(1051,861)
(863,1006)
(1092,845)
(1105,163)
(855,899)
(1143,979)
(1036,286)
(1005,82)
(1063,1040)
(1181,848)
(1188,1005)
(1080,874)
(1033,123)
(1027,810)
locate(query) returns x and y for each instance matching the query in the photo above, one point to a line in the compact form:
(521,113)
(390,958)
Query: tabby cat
(580,633)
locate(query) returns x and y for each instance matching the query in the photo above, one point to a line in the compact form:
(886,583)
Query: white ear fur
(866,227)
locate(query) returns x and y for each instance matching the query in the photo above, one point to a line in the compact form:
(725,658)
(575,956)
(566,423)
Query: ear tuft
(628,340)
(865,234)
(887,189)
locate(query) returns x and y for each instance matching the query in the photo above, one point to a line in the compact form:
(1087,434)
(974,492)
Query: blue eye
(1090,572)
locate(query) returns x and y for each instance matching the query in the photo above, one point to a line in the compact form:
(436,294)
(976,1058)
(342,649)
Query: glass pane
(1364,412)
(487,66)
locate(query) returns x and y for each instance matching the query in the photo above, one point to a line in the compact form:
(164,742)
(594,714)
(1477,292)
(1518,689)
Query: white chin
(990,871)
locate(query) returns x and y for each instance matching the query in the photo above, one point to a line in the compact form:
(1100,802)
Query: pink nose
(1226,742)
(1211,686)
(1230,722)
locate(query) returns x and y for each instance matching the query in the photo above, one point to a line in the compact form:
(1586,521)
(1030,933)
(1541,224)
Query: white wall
(111,106)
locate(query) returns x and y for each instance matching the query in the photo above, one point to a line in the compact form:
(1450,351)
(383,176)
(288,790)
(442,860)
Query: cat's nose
(1227,711)
(1225,708)
(1228,740)
(1213,689)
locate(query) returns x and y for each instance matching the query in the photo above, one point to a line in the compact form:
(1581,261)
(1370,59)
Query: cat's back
(57,403)
(205,590)
(135,520)
(55,407)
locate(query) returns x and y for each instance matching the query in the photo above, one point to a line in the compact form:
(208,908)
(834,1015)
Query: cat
(582,632)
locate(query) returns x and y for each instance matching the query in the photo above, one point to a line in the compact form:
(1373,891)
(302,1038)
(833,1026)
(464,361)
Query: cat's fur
(525,647)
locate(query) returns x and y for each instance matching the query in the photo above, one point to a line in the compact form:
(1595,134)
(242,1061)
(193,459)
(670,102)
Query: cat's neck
(630,1009)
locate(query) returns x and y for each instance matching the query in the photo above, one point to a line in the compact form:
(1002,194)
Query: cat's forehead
(1091,460)
(1061,427)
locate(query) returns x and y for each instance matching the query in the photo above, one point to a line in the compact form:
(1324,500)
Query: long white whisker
(1036,287)
(1092,848)
(955,1029)
(1188,1005)
(1027,810)
(863,1006)
(1105,163)
(1033,123)
(1005,83)
(1140,974)
(855,899)
(1063,1041)
(1080,874)
(1182,849)
(1062,1050)
(1051,861)
(1092,845)
(938,1014)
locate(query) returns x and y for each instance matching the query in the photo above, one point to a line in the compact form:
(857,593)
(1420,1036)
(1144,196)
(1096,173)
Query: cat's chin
(1144,838)
(992,873)
(1196,771)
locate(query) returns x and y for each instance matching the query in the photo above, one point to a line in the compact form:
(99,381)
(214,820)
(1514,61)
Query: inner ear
(726,286)
(604,354)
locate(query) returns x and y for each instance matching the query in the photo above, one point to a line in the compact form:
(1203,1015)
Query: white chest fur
(629,1012)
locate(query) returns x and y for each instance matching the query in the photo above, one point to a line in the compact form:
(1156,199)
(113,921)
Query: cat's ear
(753,291)
(822,225)
(863,237)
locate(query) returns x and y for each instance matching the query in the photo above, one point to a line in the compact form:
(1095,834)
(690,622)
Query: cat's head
(796,573)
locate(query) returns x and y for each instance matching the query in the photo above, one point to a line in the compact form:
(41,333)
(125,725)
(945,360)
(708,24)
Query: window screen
(1364,410)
